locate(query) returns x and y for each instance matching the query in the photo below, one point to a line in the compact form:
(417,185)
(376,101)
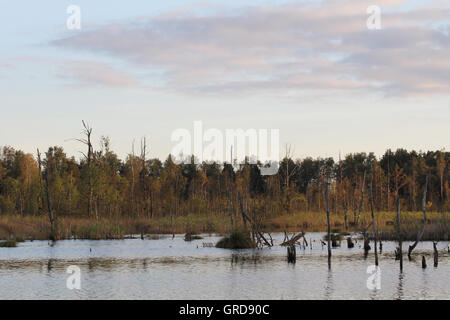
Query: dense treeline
(102,185)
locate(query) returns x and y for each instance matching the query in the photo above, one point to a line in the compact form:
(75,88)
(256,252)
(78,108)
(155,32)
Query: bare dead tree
(40,196)
(388,185)
(254,226)
(400,182)
(49,204)
(344,195)
(374,228)
(424,210)
(142,175)
(231,189)
(399,254)
(288,174)
(361,201)
(133,200)
(327,183)
(89,158)
(441,165)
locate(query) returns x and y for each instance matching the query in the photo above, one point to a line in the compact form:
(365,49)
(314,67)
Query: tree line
(102,185)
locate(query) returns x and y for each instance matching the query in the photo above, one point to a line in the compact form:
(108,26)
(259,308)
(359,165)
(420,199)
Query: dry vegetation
(38,228)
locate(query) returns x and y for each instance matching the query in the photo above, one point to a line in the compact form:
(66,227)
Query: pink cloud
(313,46)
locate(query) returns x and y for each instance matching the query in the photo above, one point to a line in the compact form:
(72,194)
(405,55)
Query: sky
(311,69)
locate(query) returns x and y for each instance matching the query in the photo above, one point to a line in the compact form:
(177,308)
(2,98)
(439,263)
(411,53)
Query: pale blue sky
(146,68)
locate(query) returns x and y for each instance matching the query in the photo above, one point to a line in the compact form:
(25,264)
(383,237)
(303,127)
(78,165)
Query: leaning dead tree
(424,210)
(257,234)
(241,206)
(294,239)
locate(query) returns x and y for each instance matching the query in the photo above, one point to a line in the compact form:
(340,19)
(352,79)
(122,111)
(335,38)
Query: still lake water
(174,269)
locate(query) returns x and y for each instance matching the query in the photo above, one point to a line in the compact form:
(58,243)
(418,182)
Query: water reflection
(50,265)
(424,287)
(329,285)
(173,269)
(400,287)
(374,294)
(144,264)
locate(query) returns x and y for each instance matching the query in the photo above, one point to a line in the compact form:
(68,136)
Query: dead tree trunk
(362,198)
(49,204)
(293,239)
(424,262)
(143,176)
(345,215)
(328,220)
(133,199)
(41,192)
(400,249)
(374,229)
(242,211)
(291,254)
(388,185)
(435,254)
(89,155)
(420,234)
(255,229)
(231,189)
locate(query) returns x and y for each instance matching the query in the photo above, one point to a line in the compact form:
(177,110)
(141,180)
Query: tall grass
(33,227)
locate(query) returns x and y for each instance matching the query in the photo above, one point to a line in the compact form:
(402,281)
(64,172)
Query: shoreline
(38,228)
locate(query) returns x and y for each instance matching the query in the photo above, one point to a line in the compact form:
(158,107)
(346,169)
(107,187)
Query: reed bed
(38,227)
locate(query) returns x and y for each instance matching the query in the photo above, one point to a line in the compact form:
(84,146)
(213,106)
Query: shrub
(8,244)
(236,240)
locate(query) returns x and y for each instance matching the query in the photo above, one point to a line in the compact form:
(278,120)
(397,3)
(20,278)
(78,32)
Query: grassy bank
(38,228)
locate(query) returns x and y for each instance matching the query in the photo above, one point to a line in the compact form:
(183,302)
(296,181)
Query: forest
(51,186)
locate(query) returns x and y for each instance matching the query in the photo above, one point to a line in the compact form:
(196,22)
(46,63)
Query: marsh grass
(38,228)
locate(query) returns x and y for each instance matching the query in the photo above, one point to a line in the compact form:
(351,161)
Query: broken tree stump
(435,254)
(424,262)
(366,245)
(350,243)
(291,254)
(398,254)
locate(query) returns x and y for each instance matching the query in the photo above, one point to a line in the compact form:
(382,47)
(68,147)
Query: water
(174,269)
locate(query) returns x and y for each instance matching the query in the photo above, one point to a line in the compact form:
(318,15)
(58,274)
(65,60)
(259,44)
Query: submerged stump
(424,262)
(291,254)
(435,254)
(350,243)
(367,245)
